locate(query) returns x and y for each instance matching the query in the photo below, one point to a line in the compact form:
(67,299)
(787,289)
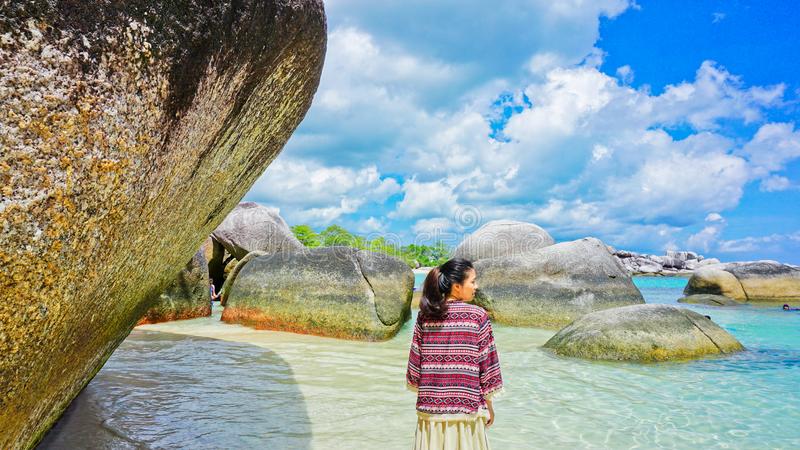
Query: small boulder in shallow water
(709,299)
(644,333)
(329,291)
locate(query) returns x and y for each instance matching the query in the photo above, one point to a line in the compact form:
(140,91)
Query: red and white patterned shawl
(453,363)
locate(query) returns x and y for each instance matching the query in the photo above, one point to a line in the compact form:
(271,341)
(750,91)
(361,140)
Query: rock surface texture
(753,282)
(128,131)
(552,286)
(330,291)
(503,238)
(645,333)
(186,297)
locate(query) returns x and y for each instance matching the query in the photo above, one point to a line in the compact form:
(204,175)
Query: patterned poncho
(453,363)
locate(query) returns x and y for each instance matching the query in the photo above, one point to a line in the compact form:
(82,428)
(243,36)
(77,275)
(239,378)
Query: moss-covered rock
(187,297)
(709,299)
(129,130)
(754,282)
(645,333)
(329,291)
(552,286)
(503,238)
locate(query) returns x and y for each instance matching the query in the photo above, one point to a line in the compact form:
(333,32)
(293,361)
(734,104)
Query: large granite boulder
(502,238)
(645,333)
(329,291)
(186,297)
(249,227)
(554,285)
(758,281)
(128,131)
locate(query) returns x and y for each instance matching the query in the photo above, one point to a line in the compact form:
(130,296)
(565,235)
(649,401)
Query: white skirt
(452,431)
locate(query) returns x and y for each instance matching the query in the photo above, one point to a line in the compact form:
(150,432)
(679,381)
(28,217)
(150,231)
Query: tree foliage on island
(413,254)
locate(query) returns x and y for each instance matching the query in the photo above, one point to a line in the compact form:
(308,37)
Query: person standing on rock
(453,364)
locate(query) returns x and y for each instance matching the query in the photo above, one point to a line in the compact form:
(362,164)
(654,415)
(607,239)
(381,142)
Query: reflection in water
(163,390)
(261,389)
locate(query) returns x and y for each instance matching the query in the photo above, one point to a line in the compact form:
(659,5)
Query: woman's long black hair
(440,280)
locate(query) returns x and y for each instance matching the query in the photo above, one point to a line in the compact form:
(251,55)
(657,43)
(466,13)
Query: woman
(213,291)
(453,364)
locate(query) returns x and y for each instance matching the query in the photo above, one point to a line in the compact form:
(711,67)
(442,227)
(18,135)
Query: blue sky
(651,125)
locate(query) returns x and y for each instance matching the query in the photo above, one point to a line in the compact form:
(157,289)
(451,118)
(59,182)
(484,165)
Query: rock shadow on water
(753,360)
(164,390)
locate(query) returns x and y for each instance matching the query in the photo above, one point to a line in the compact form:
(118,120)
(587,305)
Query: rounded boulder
(643,333)
(503,238)
(552,286)
(251,227)
(329,291)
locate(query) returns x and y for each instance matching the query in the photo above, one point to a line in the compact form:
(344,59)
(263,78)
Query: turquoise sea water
(204,384)
(419,278)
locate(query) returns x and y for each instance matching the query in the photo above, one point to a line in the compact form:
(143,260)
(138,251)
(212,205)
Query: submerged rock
(129,130)
(329,291)
(758,281)
(187,297)
(645,333)
(503,238)
(554,285)
(709,299)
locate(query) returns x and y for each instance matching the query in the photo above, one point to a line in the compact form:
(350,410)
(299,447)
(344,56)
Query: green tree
(439,253)
(426,255)
(336,235)
(306,235)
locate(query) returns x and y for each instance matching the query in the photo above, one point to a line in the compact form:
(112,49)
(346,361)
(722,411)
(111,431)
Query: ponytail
(432,304)
(437,285)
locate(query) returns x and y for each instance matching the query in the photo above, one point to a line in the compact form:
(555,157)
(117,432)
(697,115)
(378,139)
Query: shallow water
(204,384)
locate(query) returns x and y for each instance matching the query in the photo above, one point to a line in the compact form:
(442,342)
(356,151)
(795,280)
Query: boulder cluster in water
(525,279)
(673,263)
(278,284)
